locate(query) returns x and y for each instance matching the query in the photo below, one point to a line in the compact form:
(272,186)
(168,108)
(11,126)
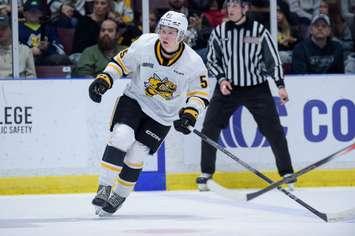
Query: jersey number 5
(203,81)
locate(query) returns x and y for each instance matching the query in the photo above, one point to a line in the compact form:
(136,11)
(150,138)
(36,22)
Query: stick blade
(227,193)
(342,216)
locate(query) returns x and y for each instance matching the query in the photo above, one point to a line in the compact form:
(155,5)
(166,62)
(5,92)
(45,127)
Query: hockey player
(168,86)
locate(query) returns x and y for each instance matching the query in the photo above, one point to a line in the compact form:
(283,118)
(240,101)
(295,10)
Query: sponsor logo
(153,135)
(178,72)
(318,119)
(147,64)
(15,120)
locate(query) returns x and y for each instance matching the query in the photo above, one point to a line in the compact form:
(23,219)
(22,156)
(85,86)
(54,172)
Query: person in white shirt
(169,86)
(26,62)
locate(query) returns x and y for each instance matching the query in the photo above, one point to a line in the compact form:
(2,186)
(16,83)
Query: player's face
(168,38)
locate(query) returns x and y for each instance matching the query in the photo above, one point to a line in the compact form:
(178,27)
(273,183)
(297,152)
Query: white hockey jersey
(161,86)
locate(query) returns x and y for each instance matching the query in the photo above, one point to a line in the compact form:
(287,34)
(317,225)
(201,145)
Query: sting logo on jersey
(157,86)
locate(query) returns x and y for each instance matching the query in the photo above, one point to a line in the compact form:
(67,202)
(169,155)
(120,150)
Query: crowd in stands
(314,36)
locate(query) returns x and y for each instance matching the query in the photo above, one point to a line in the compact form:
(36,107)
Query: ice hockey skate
(290,181)
(201,182)
(112,205)
(101,197)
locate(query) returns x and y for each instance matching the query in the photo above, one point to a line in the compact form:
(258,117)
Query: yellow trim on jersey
(158,55)
(177,55)
(164,61)
(110,167)
(197,93)
(134,165)
(116,68)
(119,61)
(125,183)
(198,100)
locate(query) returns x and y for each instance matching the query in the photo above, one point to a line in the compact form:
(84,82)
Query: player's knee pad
(137,153)
(133,162)
(122,137)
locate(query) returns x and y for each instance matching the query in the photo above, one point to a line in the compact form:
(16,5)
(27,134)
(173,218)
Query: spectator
(305,9)
(201,26)
(124,11)
(41,38)
(26,63)
(95,58)
(88,27)
(340,29)
(214,14)
(65,18)
(5,7)
(318,54)
(56,5)
(348,10)
(134,31)
(179,6)
(287,37)
(174,5)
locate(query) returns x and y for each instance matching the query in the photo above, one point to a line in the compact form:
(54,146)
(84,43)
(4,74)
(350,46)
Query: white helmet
(174,20)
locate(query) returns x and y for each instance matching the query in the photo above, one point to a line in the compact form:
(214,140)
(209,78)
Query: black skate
(201,182)
(111,206)
(103,193)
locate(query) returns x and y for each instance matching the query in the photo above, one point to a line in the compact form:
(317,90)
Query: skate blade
(97,210)
(203,187)
(103,213)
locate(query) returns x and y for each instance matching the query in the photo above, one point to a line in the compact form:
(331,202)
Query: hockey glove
(188,118)
(99,86)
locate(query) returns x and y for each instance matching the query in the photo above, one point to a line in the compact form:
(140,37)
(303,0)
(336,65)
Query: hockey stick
(323,216)
(303,171)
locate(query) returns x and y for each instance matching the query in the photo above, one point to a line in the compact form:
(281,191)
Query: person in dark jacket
(41,37)
(318,54)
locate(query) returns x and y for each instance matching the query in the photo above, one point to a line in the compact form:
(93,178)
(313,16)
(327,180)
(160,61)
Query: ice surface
(185,213)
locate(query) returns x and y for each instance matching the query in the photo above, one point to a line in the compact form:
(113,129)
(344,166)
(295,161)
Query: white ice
(185,213)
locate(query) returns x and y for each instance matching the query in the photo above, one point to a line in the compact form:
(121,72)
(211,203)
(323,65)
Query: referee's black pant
(259,101)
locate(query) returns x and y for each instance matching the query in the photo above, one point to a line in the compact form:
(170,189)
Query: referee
(241,56)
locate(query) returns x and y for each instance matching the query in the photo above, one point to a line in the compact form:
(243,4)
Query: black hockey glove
(188,118)
(99,86)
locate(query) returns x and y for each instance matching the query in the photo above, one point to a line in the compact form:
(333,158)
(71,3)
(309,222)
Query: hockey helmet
(174,20)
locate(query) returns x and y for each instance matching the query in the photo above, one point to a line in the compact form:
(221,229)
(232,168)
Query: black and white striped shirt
(243,54)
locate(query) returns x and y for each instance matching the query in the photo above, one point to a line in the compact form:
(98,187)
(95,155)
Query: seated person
(65,18)
(41,38)
(287,35)
(94,59)
(88,27)
(318,54)
(26,64)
